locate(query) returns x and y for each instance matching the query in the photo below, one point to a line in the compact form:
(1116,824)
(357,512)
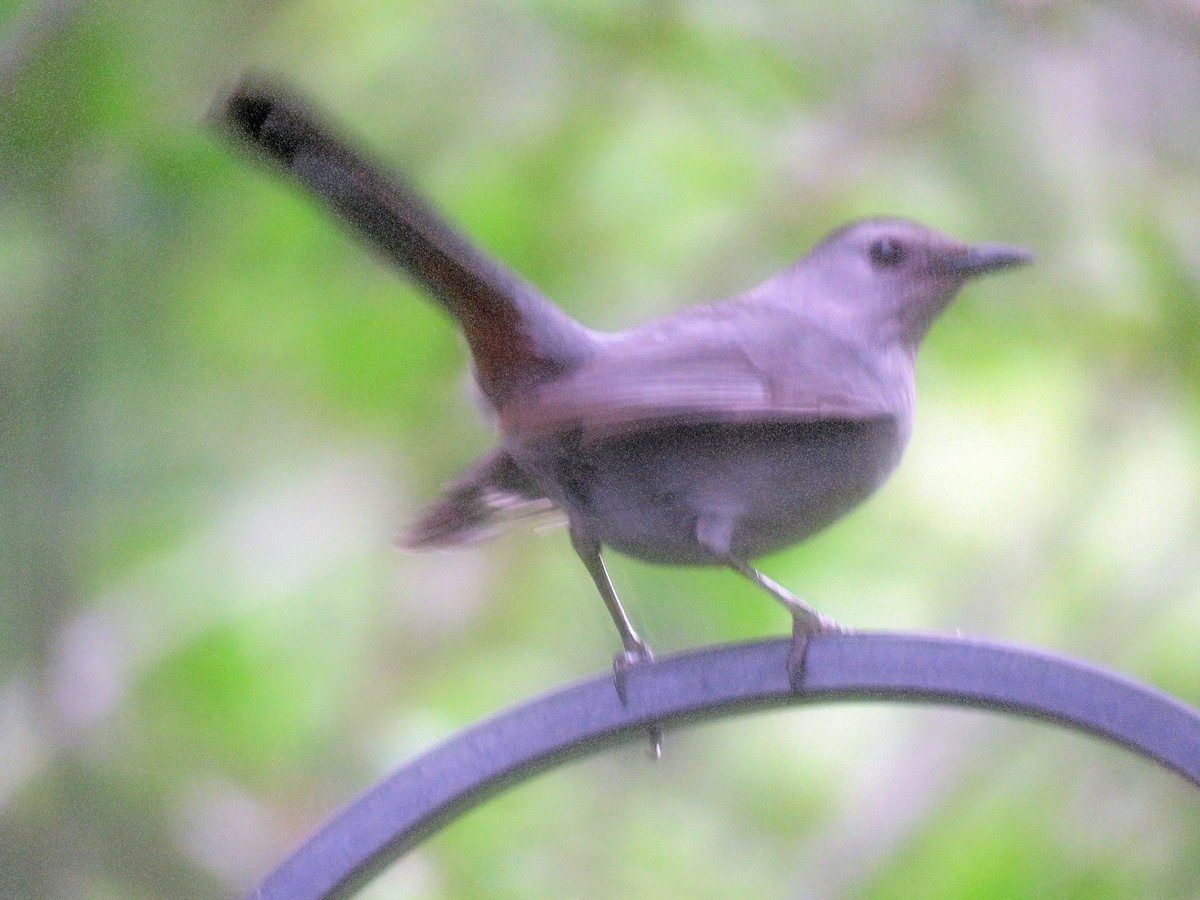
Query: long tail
(517,337)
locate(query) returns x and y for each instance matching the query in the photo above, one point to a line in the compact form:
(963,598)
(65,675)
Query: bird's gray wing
(713,369)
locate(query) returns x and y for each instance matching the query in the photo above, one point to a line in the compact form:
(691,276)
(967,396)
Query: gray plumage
(709,437)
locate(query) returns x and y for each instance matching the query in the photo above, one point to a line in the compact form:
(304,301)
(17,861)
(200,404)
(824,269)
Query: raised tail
(517,337)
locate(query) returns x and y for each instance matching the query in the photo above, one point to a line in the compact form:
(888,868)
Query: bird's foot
(635,654)
(805,624)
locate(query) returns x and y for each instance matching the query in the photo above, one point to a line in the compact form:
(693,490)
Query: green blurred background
(217,410)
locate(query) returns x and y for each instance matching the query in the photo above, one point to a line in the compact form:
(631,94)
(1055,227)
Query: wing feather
(708,370)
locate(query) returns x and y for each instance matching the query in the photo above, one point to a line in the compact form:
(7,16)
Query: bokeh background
(216,411)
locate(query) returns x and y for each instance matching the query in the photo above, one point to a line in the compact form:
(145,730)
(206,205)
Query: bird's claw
(804,628)
(631,657)
(636,655)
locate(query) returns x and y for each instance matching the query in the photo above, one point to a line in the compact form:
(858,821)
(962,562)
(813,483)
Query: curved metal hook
(418,799)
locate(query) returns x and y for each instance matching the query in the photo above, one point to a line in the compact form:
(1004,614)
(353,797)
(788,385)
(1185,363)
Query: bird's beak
(983,258)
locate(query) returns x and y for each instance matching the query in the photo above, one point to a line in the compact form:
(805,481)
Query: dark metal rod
(414,802)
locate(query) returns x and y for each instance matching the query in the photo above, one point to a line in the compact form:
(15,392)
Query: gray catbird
(709,437)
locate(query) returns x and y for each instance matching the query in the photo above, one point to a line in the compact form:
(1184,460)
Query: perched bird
(706,438)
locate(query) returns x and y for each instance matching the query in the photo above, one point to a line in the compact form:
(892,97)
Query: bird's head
(897,276)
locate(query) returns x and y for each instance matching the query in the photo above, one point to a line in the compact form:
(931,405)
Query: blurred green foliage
(216,409)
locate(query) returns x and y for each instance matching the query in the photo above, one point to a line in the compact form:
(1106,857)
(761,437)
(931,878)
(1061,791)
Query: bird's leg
(806,621)
(635,650)
(715,535)
(588,549)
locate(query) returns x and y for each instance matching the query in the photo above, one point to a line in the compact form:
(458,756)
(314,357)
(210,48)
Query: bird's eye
(887,252)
